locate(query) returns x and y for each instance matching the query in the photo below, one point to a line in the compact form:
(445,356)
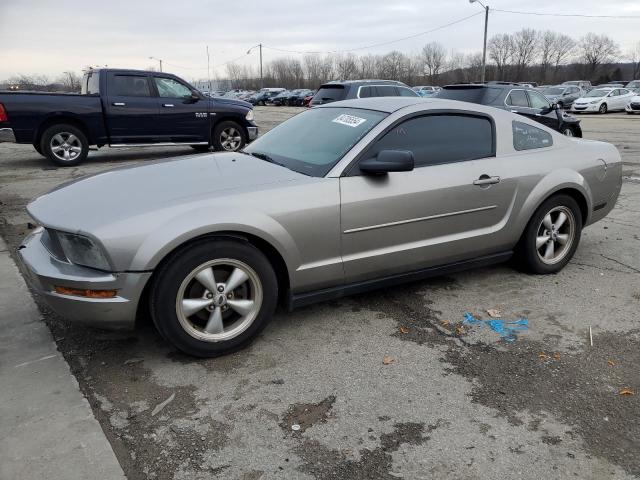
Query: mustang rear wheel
(214,297)
(552,236)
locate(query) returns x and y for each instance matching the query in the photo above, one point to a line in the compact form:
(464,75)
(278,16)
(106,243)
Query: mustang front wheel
(214,297)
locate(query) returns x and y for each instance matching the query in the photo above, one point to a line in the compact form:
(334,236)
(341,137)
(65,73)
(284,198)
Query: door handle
(486,180)
(169,105)
(118,104)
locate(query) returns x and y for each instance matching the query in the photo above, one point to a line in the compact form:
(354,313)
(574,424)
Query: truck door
(184,118)
(131,109)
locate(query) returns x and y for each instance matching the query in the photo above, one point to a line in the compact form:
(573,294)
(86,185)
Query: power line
(377,44)
(542,14)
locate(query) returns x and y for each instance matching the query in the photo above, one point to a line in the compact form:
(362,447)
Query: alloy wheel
(556,234)
(230,139)
(568,132)
(219,300)
(65,146)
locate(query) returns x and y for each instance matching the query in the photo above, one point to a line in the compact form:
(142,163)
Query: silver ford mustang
(339,199)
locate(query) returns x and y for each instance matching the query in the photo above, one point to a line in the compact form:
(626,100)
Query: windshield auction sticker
(349,120)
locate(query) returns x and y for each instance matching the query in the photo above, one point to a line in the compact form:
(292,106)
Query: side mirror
(388,161)
(195,96)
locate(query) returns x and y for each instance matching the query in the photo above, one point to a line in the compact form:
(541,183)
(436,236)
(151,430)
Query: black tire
(57,136)
(571,131)
(168,285)
(201,148)
(527,254)
(603,108)
(219,142)
(36,147)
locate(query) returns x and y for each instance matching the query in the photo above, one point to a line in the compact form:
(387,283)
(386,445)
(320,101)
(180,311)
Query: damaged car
(339,199)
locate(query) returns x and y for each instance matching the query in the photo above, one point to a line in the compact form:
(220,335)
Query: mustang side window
(528,137)
(436,139)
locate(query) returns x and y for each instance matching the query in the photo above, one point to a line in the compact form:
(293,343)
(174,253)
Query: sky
(52,36)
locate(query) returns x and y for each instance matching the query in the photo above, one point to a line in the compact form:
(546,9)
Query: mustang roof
(392,104)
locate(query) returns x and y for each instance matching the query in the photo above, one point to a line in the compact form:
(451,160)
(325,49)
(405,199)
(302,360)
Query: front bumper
(252,132)
(7,135)
(633,107)
(44,272)
(585,108)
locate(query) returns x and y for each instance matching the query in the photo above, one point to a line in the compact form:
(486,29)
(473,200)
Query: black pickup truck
(122,108)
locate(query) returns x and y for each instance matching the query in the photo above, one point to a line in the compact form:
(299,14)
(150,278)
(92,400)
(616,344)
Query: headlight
(82,251)
(595,101)
(249,115)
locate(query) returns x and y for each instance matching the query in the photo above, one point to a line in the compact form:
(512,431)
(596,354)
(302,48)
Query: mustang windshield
(312,142)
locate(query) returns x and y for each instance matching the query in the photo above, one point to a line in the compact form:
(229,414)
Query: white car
(633,106)
(603,100)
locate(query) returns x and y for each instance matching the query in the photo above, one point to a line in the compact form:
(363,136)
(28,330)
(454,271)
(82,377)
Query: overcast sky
(49,37)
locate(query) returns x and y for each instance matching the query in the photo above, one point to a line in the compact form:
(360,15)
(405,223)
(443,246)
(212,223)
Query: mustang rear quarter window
(528,137)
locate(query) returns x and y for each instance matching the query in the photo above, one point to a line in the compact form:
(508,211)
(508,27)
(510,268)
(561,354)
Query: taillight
(3,114)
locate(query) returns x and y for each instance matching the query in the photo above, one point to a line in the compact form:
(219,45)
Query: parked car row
(516,98)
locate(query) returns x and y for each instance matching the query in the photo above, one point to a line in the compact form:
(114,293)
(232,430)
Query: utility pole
(484,48)
(248,52)
(159,61)
(208,70)
(261,80)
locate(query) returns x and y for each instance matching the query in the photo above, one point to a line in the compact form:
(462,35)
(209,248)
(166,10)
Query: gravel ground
(389,384)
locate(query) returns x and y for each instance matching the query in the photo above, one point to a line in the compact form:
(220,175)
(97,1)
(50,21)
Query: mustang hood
(133,192)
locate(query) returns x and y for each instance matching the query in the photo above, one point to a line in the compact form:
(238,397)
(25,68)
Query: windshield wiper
(266,158)
(261,156)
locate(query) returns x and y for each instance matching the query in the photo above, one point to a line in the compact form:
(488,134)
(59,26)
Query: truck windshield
(312,142)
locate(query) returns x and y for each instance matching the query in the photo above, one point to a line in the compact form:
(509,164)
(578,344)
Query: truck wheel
(551,237)
(214,297)
(64,145)
(228,137)
(36,147)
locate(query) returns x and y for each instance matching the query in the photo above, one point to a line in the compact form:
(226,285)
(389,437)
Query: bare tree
(236,74)
(433,57)
(500,49)
(326,68)
(473,66)
(596,50)
(525,48)
(346,66)
(30,82)
(634,56)
(313,69)
(546,49)
(70,81)
(563,47)
(367,66)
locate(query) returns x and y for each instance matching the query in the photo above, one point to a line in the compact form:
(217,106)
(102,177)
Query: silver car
(339,199)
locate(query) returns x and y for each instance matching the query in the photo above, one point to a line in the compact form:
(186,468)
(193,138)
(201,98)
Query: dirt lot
(453,401)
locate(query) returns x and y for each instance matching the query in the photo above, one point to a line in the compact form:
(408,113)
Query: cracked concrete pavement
(453,401)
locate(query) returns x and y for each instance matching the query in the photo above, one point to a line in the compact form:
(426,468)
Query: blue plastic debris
(507,330)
